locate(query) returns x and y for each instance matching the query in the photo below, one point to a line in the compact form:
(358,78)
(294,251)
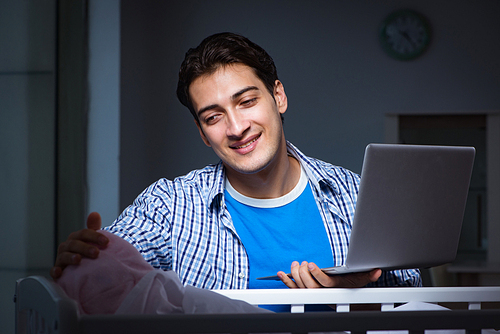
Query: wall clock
(405,34)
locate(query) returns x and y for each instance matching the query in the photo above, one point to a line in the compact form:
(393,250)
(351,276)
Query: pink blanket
(120,281)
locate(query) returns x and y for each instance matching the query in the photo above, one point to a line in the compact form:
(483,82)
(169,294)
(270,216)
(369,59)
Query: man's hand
(85,243)
(309,275)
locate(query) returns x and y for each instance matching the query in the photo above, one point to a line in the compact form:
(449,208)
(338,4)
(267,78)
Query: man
(263,206)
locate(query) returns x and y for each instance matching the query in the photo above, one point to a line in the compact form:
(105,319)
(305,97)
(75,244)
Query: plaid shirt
(184,225)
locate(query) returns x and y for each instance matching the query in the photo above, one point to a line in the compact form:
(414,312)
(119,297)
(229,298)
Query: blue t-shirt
(278,231)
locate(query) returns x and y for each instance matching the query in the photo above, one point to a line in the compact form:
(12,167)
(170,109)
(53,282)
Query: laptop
(410,207)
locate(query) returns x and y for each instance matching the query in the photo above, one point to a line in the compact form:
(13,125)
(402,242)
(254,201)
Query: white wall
(27,145)
(104,109)
(27,136)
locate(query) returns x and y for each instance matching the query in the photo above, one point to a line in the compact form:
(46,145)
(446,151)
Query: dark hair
(220,50)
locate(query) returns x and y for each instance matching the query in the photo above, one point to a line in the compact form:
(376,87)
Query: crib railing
(42,307)
(387,298)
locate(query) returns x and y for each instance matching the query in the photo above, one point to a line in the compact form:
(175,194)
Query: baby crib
(42,307)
